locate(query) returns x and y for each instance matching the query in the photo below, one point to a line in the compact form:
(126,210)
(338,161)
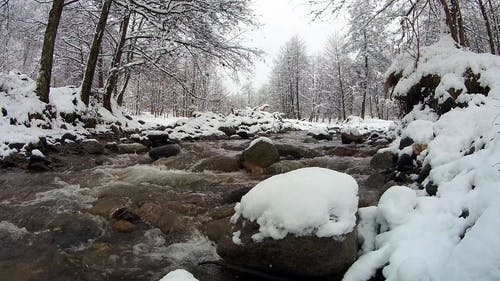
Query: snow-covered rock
(308,201)
(179,275)
(25,119)
(301,222)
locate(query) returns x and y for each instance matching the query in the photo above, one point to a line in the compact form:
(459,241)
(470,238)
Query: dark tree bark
(488,26)
(365,82)
(94,52)
(341,84)
(113,74)
(119,100)
(46,60)
(450,20)
(100,71)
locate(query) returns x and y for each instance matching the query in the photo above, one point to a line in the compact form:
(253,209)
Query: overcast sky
(280,20)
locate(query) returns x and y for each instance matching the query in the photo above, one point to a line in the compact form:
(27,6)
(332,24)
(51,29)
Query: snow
(397,204)
(308,201)
(355,125)
(36,152)
(420,131)
(35,119)
(453,235)
(179,275)
(264,139)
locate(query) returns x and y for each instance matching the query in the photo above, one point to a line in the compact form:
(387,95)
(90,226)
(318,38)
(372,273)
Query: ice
(308,201)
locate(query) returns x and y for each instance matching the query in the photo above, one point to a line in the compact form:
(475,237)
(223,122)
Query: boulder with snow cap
(259,155)
(92,146)
(299,223)
(38,162)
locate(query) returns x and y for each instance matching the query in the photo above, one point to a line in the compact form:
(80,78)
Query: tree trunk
(496,25)
(113,73)
(450,20)
(488,26)
(341,84)
(94,52)
(460,24)
(46,60)
(122,91)
(100,70)
(365,83)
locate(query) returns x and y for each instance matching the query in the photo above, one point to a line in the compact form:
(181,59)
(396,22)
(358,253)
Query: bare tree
(45,72)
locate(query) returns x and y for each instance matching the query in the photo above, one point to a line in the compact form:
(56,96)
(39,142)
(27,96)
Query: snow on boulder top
(308,201)
(420,131)
(179,275)
(397,204)
(38,153)
(264,139)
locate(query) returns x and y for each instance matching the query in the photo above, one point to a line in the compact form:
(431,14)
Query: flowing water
(58,225)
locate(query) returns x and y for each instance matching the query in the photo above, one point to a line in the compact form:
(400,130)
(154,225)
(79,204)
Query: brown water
(57,225)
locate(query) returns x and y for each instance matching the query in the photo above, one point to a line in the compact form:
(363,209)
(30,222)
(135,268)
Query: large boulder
(259,155)
(292,255)
(164,151)
(296,152)
(298,223)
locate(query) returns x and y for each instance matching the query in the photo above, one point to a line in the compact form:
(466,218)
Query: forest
(168,57)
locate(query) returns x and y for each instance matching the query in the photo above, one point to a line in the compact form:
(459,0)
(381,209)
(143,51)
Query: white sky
(279,21)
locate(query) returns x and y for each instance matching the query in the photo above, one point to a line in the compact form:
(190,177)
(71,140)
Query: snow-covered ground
(454,235)
(25,119)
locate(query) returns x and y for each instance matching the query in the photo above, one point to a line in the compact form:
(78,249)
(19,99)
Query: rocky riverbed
(114,214)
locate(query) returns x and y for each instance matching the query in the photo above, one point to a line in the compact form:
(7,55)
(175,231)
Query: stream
(64,224)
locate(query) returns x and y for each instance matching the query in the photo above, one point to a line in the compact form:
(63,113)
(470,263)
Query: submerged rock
(259,155)
(164,151)
(92,146)
(296,152)
(222,163)
(132,148)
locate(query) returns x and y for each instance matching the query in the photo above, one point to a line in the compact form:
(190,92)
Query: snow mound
(214,125)
(179,275)
(454,234)
(397,205)
(358,126)
(65,113)
(308,201)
